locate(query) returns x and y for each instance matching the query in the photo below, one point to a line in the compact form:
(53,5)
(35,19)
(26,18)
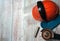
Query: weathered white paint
(5,20)
(17,23)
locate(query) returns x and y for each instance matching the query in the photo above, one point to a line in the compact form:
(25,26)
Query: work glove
(51,24)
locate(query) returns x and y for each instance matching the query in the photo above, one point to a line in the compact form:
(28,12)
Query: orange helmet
(45,11)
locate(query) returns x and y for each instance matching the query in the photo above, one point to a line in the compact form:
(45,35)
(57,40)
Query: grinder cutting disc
(47,34)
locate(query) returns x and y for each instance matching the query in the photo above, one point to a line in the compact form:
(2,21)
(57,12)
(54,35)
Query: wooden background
(17,23)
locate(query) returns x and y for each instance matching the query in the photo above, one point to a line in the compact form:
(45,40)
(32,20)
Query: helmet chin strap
(41,10)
